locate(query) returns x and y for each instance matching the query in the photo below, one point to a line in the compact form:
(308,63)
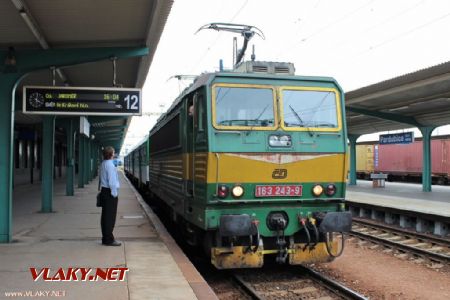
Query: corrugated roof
(87,23)
(422,97)
(408,78)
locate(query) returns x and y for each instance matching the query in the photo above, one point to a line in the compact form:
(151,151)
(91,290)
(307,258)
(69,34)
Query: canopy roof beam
(385,115)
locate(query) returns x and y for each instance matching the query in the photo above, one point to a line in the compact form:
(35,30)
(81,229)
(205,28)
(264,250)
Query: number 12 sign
(52,100)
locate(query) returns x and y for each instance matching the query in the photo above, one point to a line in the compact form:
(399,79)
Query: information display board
(53,100)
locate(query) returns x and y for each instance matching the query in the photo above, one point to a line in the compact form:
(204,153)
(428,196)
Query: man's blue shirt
(109,177)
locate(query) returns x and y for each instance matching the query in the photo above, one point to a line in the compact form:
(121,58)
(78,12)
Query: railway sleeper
(394,238)
(410,242)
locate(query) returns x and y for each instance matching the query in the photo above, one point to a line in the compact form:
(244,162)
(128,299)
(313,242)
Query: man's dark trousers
(109,212)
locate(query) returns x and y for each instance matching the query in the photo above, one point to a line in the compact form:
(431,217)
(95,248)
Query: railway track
(291,283)
(422,245)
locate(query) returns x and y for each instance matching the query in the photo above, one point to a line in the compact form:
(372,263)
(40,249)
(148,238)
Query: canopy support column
(352,138)
(86,160)
(90,160)
(48,146)
(8,82)
(80,161)
(70,159)
(426,164)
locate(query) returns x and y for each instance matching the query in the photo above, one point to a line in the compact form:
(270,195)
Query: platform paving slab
(70,237)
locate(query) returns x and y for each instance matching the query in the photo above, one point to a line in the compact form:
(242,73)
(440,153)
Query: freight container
(364,161)
(404,161)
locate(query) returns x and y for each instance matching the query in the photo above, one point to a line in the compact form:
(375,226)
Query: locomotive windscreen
(244,106)
(304,108)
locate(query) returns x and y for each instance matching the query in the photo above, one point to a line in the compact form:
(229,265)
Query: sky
(358,42)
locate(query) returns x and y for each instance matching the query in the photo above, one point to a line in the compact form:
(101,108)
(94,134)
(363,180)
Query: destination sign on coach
(53,100)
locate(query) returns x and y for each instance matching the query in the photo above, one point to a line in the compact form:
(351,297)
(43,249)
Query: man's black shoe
(114,243)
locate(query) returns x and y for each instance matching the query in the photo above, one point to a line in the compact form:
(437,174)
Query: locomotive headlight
(317,190)
(273,140)
(222,191)
(237,191)
(330,190)
(280,140)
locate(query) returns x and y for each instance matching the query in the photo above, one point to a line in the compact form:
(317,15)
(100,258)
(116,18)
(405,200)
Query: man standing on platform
(109,182)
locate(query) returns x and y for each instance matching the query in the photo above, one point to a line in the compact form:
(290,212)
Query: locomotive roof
(207,78)
(139,144)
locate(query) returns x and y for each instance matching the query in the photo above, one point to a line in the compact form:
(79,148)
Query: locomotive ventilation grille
(266,67)
(260,69)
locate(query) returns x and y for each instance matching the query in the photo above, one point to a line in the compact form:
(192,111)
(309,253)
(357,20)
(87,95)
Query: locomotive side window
(241,107)
(168,137)
(310,109)
(200,114)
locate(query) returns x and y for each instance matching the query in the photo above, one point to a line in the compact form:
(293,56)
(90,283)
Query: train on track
(250,163)
(403,162)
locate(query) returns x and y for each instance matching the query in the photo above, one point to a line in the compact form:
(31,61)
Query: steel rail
(332,285)
(420,235)
(327,283)
(247,287)
(404,247)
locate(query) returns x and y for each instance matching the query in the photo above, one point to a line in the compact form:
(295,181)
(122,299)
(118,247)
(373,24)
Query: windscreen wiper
(297,116)
(302,124)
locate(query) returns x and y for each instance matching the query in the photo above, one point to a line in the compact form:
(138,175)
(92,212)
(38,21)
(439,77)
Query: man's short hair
(108,152)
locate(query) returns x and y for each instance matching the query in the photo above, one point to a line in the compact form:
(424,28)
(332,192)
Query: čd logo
(279,174)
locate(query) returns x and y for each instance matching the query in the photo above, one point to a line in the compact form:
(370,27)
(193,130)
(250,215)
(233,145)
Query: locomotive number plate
(278,190)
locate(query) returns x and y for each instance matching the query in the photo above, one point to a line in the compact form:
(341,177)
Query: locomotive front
(276,169)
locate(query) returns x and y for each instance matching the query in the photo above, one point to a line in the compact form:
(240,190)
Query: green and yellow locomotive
(252,163)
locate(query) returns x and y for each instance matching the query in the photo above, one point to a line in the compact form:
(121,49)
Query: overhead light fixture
(34,29)
(11,57)
(10,61)
(62,76)
(399,108)
(37,32)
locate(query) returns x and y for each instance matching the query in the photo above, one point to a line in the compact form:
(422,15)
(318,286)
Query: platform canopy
(49,24)
(418,99)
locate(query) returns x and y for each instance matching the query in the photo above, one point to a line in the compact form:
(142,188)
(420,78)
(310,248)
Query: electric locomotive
(252,163)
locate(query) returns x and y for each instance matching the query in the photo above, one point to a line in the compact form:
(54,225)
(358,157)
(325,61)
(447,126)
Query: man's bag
(99,195)
(99,200)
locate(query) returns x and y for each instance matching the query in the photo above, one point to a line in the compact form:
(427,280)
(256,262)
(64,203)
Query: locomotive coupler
(278,222)
(282,249)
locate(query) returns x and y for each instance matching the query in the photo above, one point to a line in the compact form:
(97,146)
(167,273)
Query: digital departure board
(53,100)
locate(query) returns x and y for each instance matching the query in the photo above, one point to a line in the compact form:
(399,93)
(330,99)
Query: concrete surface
(71,237)
(406,196)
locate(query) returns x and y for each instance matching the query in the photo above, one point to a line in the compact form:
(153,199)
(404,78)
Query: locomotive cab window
(310,109)
(199,113)
(243,107)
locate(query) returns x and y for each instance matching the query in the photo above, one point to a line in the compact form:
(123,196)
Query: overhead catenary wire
(296,44)
(382,22)
(405,33)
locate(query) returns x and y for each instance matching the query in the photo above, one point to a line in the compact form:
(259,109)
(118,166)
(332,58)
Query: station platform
(402,196)
(70,237)
(404,204)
